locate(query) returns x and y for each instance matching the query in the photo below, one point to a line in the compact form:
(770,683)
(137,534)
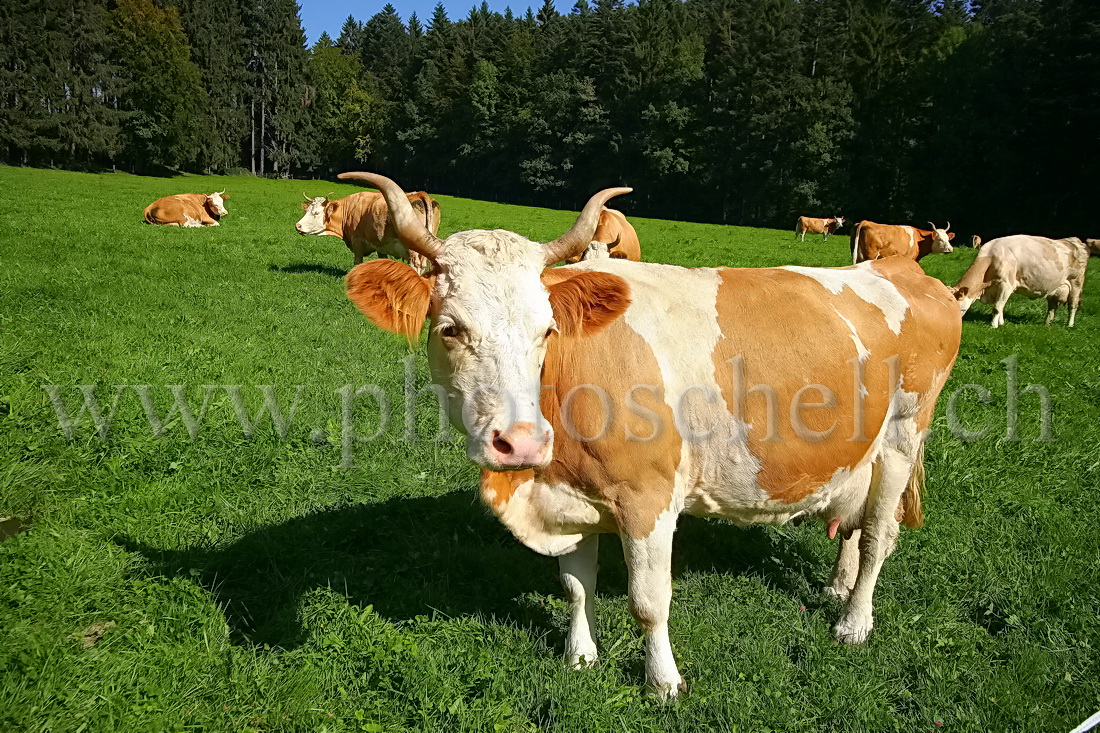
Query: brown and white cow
(825,227)
(975,241)
(1036,267)
(612,396)
(188,210)
(614,231)
(362,221)
(871,241)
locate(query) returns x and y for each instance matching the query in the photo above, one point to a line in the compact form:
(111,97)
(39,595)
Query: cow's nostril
(500,444)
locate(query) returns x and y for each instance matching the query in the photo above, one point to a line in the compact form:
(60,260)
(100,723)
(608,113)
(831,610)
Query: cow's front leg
(649,564)
(578,578)
(846,568)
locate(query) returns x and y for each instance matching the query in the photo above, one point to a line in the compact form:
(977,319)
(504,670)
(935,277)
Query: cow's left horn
(307,198)
(579,236)
(409,227)
(932,225)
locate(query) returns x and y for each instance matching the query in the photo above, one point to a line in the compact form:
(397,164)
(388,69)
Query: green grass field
(254,584)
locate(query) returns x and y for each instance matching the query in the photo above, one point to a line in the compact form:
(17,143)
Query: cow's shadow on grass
(299,268)
(438,555)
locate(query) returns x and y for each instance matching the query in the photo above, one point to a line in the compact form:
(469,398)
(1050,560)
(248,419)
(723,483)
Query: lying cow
(1035,267)
(617,234)
(825,227)
(612,396)
(361,220)
(871,241)
(188,210)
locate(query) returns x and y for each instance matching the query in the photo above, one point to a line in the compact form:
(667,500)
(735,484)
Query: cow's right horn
(932,225)
(409,227)
(307,198)
(580,234)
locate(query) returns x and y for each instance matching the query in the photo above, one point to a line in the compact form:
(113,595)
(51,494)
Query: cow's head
(839,222)
(316,214)
(492,316)
(215,202)
(600,250)
(941,239)
(1094,246)
(963,297)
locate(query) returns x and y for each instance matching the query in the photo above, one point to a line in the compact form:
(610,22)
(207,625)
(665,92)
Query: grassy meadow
(267,583)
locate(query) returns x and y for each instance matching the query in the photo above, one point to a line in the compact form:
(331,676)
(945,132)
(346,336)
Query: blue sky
(329,15)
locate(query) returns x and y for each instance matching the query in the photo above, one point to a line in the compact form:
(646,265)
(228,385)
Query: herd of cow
(612,395)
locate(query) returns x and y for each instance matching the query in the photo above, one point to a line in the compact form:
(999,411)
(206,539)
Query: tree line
(738,111)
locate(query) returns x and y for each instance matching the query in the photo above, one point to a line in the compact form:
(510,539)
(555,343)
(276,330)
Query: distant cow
(824,227)
(362,221)
(596,251)
(619,236)
(976,242)
(1036,267)
(871,241)
(188,210)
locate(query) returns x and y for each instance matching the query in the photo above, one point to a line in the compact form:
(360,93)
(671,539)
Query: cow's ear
(584,303)
(331,206)
(951,235)
(304,206)
(960,292)
(391,295)
(225,197)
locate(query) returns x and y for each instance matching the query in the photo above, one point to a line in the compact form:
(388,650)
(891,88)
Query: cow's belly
(841,496)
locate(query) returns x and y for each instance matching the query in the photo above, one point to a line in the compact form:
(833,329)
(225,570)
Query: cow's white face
(216,203)
(941,243)
(596,251)
(491,320)
(839,222)
(313,221)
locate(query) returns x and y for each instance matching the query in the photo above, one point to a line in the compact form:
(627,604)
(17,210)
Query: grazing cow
(611,396)
(825,227)
(1036,267)
(188,210)
(976,241)
(617,233)
(361,220)
(871,241)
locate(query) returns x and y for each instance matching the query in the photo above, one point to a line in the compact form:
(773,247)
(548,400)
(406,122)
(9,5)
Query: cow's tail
(909,509)
(797,226)
(855,242)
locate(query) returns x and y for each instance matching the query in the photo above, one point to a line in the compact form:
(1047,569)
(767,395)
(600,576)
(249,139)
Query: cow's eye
(450,331)
(548,332)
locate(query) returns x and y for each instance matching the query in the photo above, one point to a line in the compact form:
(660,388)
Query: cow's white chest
(552,518)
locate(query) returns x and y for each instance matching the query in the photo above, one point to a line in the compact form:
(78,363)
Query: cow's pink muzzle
(521,446)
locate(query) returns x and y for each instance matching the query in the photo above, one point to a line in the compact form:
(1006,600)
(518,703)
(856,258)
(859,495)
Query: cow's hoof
(581,660)
(851,630)
(668,691)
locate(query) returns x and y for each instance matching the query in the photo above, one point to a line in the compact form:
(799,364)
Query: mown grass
(255,584)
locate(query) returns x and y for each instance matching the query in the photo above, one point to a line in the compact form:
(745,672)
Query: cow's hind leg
(1052,308)
(578,578)
(846,568)
(890,476)
(649,564)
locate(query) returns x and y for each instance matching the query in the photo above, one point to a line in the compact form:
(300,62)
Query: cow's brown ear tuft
(225,197)
(587,302)
(951,235)
(304,206)
(391,295)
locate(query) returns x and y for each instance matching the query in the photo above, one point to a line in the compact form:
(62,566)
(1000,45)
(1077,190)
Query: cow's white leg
(879,534)
(1074,304)
(999,299)
(649,564)
(578,578)
(846,568)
